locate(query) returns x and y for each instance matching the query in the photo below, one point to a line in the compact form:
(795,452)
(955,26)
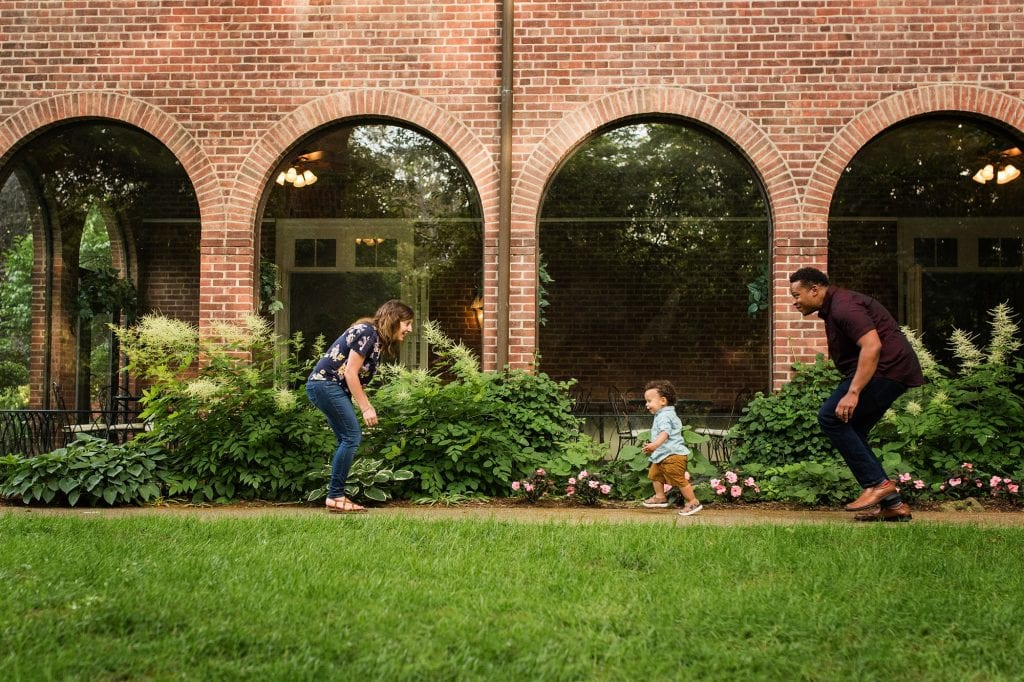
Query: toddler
(666,452)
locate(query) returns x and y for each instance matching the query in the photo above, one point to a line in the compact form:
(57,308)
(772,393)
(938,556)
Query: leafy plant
(464,431)
(231,427)
(782,427)
(368,479)
(814,482)
(103,291)
(89,470)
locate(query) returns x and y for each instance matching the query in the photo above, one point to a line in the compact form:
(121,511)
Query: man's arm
(867,362)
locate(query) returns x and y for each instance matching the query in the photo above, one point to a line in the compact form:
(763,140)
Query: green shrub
(89,470)
(974,414)
(473,432)
(782,427)
(814,482)
(231,428)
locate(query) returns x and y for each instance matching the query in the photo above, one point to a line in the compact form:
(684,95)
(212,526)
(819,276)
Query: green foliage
(89,470)
(476,432)
(782,427)
(15,320)
(368,480)
(826,481)
(270,284)
(103,291)
(974,414)
(231,427)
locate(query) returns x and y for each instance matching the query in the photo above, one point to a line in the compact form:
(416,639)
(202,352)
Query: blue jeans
(331,399)
(851,438)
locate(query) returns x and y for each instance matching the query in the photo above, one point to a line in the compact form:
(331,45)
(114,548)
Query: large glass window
(111,203)
(928,218)
(362,212)
(654,250)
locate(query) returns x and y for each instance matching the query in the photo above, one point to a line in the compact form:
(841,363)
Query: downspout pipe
(505,187)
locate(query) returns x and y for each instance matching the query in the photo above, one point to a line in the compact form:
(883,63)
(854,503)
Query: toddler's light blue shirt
(668,421)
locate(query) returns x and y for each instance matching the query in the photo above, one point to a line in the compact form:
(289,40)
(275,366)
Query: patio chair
(626,427)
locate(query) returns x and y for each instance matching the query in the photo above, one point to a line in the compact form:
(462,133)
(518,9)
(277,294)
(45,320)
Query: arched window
(361,212)
(917,223)
(654,263)
(106,203)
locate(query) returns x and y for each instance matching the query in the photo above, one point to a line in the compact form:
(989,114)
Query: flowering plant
(963,482)
(999,486)
(587,489)
(734,488)
(910,488)
(533,488)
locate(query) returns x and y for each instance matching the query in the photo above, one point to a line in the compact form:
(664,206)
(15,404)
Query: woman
(337,382)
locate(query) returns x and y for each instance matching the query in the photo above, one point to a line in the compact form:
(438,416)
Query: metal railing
(35,432)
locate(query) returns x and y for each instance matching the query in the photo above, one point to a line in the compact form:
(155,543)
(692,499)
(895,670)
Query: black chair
(626,427)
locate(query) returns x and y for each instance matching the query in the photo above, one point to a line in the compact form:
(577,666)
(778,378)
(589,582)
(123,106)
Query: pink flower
(529,487)
(731,477)
(736,491)
(905,477)
(572,481)
(515,485)
(715,482)
(719,489)
(994,481)
(605,489)
(968,466)
(1013,488)
(583,474)
(955,482)
(977,484)
(570,491)
(541,472)
(592,483)
(749,482)
(919,484)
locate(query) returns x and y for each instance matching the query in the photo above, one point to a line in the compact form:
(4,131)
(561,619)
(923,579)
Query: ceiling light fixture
(1007,173)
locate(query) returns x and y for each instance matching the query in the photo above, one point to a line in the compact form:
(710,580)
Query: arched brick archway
(255,172)
(884,114)
(813,249)
(744,134)
(111,105)
(18,129)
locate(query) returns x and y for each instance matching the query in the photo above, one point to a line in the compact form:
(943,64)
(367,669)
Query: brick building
(233,92)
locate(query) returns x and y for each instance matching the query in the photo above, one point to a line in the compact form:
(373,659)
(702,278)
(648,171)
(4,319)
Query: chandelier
(1000,170)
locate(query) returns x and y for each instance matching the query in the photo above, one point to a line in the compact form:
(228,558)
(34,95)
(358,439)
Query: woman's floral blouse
(363,339)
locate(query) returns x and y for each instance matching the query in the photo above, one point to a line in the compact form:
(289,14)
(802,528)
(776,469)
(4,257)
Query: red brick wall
(797,85)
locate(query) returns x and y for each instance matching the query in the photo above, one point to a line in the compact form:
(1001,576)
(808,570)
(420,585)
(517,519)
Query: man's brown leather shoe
(872,496)
(901,512)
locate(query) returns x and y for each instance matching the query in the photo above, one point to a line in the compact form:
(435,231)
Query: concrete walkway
(719,515)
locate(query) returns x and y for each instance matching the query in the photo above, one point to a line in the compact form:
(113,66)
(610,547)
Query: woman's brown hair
(388,318)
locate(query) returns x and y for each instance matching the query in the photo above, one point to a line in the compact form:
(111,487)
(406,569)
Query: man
(878,365)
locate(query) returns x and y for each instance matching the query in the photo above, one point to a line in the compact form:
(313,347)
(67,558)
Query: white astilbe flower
(914,408)
(464,363)
(284,400)
(940,398)
(158,345)
(203,390)
(964,349)
(1004,335)
(929,367)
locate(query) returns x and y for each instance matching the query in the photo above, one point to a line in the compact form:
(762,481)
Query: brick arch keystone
(117,107)
(256,170)
(951,98)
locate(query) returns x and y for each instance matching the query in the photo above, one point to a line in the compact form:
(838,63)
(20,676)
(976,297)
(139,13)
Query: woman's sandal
(342,505)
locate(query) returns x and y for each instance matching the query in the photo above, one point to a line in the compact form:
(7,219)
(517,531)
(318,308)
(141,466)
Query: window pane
(305,253)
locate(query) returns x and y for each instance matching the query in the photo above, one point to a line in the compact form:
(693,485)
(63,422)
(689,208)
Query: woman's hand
(370,416)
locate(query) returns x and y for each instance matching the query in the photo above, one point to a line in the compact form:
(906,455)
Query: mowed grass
(386,598)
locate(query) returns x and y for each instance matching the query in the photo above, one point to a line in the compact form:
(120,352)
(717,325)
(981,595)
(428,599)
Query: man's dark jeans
(851,438)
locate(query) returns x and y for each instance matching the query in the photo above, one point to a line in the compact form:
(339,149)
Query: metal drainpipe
(505,186)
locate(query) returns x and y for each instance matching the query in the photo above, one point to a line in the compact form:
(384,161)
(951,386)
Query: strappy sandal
(343,505)
(654,502)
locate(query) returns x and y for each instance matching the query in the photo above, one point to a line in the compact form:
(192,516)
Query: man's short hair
(809,276)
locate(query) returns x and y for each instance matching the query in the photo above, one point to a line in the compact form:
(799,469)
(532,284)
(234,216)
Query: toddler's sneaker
(691,509)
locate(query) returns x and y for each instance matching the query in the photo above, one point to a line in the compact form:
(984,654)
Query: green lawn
(367,598)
